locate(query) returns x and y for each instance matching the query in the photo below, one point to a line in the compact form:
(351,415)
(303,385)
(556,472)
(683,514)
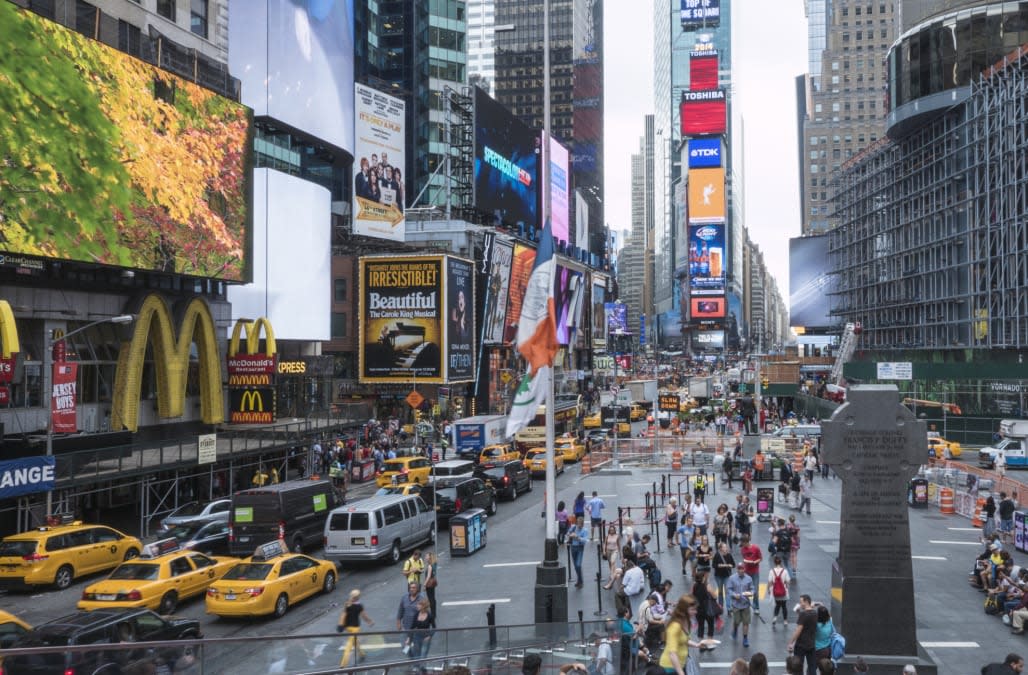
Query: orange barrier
(976,519)
(586,464)
(946,501)
(676,460)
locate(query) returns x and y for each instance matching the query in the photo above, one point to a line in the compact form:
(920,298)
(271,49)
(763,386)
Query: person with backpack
(781,542)
(778,588)
(823,634)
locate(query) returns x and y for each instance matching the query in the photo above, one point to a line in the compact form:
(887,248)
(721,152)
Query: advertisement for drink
(707,259)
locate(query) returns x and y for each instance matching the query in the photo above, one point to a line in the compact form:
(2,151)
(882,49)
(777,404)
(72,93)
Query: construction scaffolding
(932,248)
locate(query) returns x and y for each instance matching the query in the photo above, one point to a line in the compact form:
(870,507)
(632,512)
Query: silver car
(196,512)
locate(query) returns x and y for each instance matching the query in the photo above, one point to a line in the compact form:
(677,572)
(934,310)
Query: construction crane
(836,386)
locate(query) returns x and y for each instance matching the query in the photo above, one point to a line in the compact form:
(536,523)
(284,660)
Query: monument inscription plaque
(875,445)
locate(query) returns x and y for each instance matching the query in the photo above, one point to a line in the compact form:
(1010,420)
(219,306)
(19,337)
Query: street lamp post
(48,364)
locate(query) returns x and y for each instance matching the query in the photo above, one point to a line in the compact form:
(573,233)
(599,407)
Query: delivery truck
(643,390)
(1013,444)
(472,434)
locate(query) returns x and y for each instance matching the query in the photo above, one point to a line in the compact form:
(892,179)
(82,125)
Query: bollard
(646,514)
(621,528)
(571,569)
(581,625)
(490,619)
(599,579)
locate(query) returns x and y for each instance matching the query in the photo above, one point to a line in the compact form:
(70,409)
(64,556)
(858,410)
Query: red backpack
(778,585)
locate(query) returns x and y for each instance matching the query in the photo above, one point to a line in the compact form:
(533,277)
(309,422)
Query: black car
(509,479)
(107,629)
(206,537)
(451,496)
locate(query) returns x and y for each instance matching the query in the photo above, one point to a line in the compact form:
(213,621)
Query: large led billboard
(810,283)
(706,195)
(501,257)
(107,159)
(703,113)
(712,307)
(707,259)
(295,60)
(617,317)
(460,320)
(520,270)
(401,311)
(378,187)
(679,208)
(700,14)
(599,323)
(568,295)
(506,165)
(703,70)
(705,153)
(559,185)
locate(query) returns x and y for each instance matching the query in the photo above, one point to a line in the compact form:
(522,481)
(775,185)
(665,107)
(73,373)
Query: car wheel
(281,605)
(131,553)
(492,507)
(513,492)
(395,553)
(330,582)
(168,603)
(528,488)
(65,575)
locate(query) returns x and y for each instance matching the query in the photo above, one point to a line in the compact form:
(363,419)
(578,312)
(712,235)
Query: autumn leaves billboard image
(109,160)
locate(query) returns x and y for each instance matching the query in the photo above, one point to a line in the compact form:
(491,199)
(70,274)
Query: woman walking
(612,549)
(794,550)
(431,581)
(562,522)
(579,507)
(778,588)
(823,634)
(578,537)
(705,614)
(704,556)
(722,525)
(676,650)
(723,565)
(671,521)
(421,631)
(350,623)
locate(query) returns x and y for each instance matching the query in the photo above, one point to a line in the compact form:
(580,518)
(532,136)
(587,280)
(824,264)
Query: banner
(63,398)
(27,475)
(460,324)
(498,291)
(378,187)
(521,268)
(400,319)
(559,197)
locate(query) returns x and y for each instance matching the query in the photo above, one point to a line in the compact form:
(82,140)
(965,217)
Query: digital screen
(520,271)
(568,296)
(460,320)
(706,195)
(707,259)
(705,153)
(559,183)
(617,317)
(378,185)
(703,113)
(703,71)
(501,257)
(700,14)
(506,166)
(107,159)
(810,283)
(708,307)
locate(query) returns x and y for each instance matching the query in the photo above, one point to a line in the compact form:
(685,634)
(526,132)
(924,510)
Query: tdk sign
(704,153)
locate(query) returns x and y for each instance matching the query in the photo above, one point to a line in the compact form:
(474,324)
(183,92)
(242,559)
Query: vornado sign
(171,356)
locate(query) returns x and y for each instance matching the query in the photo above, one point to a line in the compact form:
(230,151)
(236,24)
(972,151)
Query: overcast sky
(769,50)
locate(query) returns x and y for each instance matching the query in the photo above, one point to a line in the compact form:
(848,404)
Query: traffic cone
(977,521)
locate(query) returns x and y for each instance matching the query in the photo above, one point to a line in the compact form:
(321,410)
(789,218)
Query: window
(129,38)
(166,8)
(198,17)
(85,18)
(338,327)
(393,514)
(339,290)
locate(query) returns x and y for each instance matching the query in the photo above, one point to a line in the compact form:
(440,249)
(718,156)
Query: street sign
(614,389)
(414,399)
(207,448)
(506,376)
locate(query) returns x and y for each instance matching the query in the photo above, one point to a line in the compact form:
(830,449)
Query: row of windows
(868,9)
(836,139)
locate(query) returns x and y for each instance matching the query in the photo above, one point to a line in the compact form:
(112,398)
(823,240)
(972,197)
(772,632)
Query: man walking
(801,643)
(739,590)
(1006,518)
(595,508)
(751,557)
(408,610)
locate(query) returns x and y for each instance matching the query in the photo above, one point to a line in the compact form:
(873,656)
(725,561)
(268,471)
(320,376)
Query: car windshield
(248,572)
(536,454)
(395,464)
(184,532)
(17,548)
(192,509)
(137,571)
(494,472)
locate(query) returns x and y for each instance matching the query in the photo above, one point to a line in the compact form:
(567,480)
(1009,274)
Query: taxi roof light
(272,549)
(159,548)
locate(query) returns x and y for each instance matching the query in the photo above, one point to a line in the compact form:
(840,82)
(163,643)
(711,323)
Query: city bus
(565,421)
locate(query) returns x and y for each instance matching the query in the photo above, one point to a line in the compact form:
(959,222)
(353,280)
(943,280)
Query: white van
(378,527)
(452,467)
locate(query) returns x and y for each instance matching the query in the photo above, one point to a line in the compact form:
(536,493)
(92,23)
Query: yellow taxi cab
(58,554)
(940,448)
(269,582)
(494,454)
(622,429)
(571,449)
(11,628)
(406,470)
(636,413)
(594,421)
(159,579)
(399,489)
(535,462)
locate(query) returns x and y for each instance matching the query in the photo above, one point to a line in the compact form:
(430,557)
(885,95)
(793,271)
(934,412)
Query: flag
(536,338)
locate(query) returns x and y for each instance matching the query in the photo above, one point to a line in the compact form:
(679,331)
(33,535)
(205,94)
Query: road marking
(728,664)
(828,522)
(965,529)
(927,557)
(638,484)
(956,645)
(456,603)
(515,564)
(955,543)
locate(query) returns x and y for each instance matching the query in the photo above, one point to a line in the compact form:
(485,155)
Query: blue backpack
(838,646)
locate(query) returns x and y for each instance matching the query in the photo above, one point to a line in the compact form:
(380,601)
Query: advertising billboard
(460,320)
(599,324)
(810,283)
(401,315)
(497,295)
(703,70)
(700,14)
(581,221)
(506,165)
(703,113)
(705,153)
(707,259)
(303,77)
(680,212)
(251,405)
(109,160)
(559,185)
(520,270)
(617,317)
(378,188)
(568,294)
(707,307)
(709,339)
(706,195)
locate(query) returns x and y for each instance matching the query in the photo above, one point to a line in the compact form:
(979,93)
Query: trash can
(765,503)
(467,532)
(362,470)
(917,492)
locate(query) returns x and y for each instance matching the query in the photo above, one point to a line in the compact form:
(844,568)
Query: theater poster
(460,320)
(401,313)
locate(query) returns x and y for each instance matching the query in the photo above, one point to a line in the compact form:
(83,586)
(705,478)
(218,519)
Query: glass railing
(498,648)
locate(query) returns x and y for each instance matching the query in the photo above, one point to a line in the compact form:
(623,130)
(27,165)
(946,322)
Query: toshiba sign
(703,113)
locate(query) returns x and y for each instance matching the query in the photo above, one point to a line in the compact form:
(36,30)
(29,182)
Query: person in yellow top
(260,478)
(414,567)
(675,658)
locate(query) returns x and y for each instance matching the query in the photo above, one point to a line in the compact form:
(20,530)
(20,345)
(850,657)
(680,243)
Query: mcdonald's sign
(154,327)
(252,405)
(252,369)
(8,342)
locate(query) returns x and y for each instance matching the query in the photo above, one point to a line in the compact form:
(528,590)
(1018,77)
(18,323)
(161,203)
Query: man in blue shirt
(578,537)
(595,508)
(739,590)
